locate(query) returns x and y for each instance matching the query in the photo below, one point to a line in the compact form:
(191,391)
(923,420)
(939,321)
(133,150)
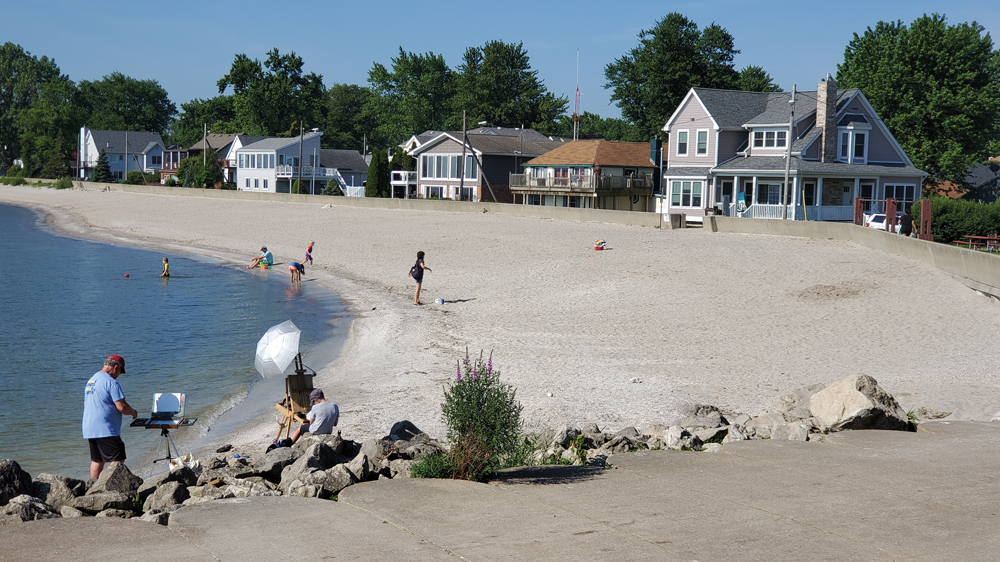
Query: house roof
(853,120)
(777,164)
(114,141)
(215,142)
(734,109)
(277,143)
(527,134)
(342,160)
(687,172)
(495,144)
(591,152)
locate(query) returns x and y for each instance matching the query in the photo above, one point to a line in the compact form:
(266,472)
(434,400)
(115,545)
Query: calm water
(67,306)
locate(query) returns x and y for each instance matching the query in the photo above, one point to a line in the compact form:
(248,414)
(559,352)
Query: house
(981,184)
(499,152)
(348,168)
(272,164)
(727,152)
(591,174)
(223,145)
(125,151)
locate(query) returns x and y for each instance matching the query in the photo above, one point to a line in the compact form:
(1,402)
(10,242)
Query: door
(868,194)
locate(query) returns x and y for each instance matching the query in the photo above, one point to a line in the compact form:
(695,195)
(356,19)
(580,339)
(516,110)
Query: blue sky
(187,46)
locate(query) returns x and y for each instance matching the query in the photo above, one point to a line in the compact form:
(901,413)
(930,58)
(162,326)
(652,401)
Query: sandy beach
(621,337)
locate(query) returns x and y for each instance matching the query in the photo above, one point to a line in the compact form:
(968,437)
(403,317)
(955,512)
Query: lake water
(67,305)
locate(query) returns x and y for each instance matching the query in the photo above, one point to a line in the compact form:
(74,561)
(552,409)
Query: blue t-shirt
(268,257)
(101,417)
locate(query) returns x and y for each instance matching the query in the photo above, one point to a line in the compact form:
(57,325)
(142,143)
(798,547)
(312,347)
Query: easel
(164,426)
(296,402)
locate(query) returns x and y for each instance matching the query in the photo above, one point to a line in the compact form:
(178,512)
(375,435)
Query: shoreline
(621,337)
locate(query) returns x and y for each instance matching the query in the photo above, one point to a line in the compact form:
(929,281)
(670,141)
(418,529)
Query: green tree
(21,79)
(102,171)
(296,187)
(189,127)
(377,184)
(756,79)
(332,188)
(415,96)
(121,103)
(345,126)
(192,172)
(495,83)
(593,126)
(269,98)
(55,112)
(673,56)
(936,87)
(57,167)
(403,161)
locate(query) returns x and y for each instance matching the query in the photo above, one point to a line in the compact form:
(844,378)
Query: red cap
(119,359)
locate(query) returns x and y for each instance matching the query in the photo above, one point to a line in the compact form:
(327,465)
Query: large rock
(116,513)
(96,503)
(857,402)
(317,457)
(564,436)
(400,468)
(360,467)
(794,406)
(713,434)
(166,495)
(701,416)
(333,440)
(68,512)
(26,508)
(762,426)
(791,431)
(270,465)
(13,481)
(116,477)
(183,474)
(377,449)
(322,483)
(57,491)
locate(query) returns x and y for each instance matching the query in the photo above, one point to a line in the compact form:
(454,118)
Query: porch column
(711,198)
(857,189)
(795,196)
(819,191)
(753,194)
(736,189)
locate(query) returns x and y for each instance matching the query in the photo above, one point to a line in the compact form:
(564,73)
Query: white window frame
(855,159)
(684,193)
(852,145)
(471,168)
(754,139)
(781,139)
(426,171)
(256,183)
(697,143)
(265,183)
(687,142)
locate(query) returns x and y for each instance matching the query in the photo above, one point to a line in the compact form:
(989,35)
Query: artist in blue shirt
(103,406)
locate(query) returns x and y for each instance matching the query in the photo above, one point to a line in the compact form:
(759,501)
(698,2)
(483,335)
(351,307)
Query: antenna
(576,106)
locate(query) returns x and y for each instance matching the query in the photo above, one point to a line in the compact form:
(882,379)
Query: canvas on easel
(296,403)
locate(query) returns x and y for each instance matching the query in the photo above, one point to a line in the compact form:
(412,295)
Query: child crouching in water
(166,269)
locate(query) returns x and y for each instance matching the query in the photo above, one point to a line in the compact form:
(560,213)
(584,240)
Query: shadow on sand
(556,474)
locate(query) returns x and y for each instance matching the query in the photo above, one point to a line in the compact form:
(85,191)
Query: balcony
(307,172)
(579,183)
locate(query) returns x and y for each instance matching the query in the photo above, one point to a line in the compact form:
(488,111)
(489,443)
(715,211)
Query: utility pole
(461,165)
(576,106)
(788,156)
(299,175)
(204,146)
(312,183)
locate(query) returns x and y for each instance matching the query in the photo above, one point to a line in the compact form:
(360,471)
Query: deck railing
(307,172)
(809,212)
(579,183)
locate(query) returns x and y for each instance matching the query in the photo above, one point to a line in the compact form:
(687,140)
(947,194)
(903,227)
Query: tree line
(936,86)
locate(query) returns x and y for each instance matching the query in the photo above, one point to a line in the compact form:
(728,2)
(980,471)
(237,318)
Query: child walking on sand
(309,253)
(166,269)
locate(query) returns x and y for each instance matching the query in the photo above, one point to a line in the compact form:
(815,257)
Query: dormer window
(853,147)
(770,139)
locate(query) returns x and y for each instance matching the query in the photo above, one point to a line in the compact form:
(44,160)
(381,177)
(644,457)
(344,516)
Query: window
(773,194)
(768,139)
(561,172)
(426,166)
(256,183)
(758,139)
(260,160)
(241,161)
(265,183)
(454,167)
(685,194)
(781,140)
(471,171)
(248,183)
(859,146)
(902,193)
(281,159)
(438,165)
(845,138)
(574,201)
(682,143)
(534,199)
(808,194)
(156,160)
(270,161)
(702,147)
(853,146)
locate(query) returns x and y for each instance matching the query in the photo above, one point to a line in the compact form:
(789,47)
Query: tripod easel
(164,426)
(296,402)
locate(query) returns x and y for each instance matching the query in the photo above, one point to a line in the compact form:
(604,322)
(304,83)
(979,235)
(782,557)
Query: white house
(125,151)
(272,164)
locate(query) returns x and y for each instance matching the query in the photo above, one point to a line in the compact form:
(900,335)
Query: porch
(800,212)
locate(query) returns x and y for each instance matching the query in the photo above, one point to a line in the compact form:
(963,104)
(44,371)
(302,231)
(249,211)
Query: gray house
(125,151)
(727,152)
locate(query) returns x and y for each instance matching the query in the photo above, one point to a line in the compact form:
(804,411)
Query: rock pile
(317,466)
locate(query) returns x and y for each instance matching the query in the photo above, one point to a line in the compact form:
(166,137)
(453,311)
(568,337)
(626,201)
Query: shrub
(64,183)
(15,170)
(135,177)
(436,465)
(483,420)
(171,182)
(331,188)
(951,219)
(13,180)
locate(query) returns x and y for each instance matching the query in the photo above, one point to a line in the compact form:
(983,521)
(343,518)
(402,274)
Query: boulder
(421,450)
(215,462)
(619,444)
(157,517)
(761,426)
(377,449)
(360,468)
(270,465)
(791,431)
(95,503)
(713,448)
(653,430)
(857,402)
(166,495)
(672,436)
(317,457)
(735,433)
(400,468)
(116,513)
(116,477)
(711,434)
(794,406)
(404,430)
(322,483)
(333,440)
(564,436)
(183,474)
(13,481)
(68,512)
(57,491)
(701,415)
(26,508)
(590,429)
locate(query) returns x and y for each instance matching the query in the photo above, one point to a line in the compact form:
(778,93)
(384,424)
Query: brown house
(590,174)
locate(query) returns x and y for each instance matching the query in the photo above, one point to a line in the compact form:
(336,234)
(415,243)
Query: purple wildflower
(489,365)
(475,374)
(458,371)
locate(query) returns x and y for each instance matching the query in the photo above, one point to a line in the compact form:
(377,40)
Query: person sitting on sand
(297,269)
(323,416)
(166,269)
(265,256)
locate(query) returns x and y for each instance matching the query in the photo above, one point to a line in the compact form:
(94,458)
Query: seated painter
(265,257)
(323,416)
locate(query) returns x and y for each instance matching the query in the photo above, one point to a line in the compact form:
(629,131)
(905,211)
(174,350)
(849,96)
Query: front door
(868,194)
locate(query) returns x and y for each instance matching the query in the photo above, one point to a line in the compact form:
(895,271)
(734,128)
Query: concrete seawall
(978,270)
(535,211)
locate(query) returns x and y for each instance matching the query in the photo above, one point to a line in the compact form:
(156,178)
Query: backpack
(415,271)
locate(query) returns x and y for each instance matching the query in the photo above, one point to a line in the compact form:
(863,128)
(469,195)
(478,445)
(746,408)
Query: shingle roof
(733,109)
(777,163)
(687,172)
(114,141)
(342,160)
(591,152)
(527,134)
(275,143)
(215,141)
(495,144)
(853,119)
(806,139)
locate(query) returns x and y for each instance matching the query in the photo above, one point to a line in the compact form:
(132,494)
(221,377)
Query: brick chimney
(826,117)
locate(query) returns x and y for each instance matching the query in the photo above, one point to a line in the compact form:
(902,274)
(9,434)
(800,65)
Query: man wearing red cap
(103,406)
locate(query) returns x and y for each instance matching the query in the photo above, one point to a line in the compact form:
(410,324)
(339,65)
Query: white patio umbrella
(277,349)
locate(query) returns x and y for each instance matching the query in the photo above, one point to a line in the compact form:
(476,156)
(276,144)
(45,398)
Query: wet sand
(622,337)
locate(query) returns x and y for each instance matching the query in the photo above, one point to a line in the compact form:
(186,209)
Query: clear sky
(188,45)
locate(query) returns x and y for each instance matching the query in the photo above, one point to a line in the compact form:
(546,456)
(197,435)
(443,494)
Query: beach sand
(623,337)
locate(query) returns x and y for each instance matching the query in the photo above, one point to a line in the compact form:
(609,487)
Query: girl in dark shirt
(417,273)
